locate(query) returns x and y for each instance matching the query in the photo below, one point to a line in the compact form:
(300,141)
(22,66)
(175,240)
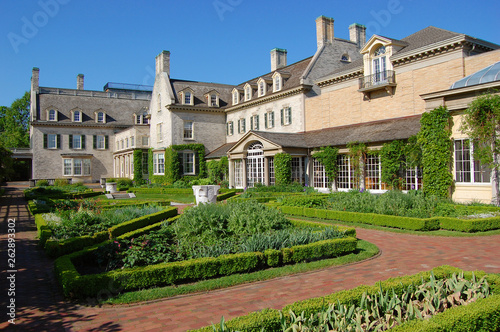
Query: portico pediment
(251,137)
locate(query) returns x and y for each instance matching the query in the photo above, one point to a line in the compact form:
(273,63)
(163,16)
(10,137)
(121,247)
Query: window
(241,126)
(286,116)
(101,142)
(52,115)
(77,116)
(345,175)
(248,92)
(277,82)
(188,130)
(320,180)
(229,128)
(76,167)
(51,141)
(188,163)
(272,176)
(373,173)
(214,100)
(101,117)
(238,173)
(298,170)
(132,141)
(262,88)
(254,122)
(126,142)
(159,135)
(269,119)
(122,144)
(413,179)
(145,164)
(236,97)
(145,140)
(159,163)
(138,119)
(77,141)
(468,170)
(187,98)
(379,66)
(145,119)
(345,57)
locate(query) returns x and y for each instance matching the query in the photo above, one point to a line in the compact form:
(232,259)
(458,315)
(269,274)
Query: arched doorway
(255,164)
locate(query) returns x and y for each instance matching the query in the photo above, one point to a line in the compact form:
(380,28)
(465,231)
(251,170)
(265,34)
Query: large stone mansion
(367,90)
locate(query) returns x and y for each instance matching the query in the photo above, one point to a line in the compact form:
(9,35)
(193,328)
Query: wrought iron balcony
(384,80)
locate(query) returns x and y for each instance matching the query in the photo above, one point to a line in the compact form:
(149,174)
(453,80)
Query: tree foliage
(283,168)
(14,123)
(327,156)
(357,154)
(393,162)
(6,163)
(218,170)
(138,171)
(435,139)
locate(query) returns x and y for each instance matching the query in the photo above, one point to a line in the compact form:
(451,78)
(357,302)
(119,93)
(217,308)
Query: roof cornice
(77,125)
(189,108)
(275,96)
(457,91)
(342,77)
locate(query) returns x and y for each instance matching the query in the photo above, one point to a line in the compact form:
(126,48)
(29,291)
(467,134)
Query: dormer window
(248,92)
(187,97)
(145,118)
(100,117)
(236,97)
(277,83)
(345,57)
(212,98)
(52,115)
(76,116)
(262,88)
(379,66)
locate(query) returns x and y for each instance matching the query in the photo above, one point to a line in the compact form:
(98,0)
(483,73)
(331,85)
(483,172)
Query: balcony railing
(377,80)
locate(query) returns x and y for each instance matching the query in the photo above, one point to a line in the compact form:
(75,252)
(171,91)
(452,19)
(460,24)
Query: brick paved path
(40,306)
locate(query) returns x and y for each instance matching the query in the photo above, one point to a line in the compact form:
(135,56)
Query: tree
(481,123)
(6,169)
(14,123)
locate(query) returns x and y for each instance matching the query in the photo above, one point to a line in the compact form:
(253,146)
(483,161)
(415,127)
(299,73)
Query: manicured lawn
(180,198)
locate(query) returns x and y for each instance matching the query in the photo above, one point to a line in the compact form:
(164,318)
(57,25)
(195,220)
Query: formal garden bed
(205,242)
(444,299)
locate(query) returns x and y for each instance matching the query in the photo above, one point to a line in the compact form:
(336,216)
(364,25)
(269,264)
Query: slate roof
(221,151)
(199,91)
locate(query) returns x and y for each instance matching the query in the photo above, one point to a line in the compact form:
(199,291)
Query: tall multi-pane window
(52,141)
(286,116)
(213,100)
(262,89)
(373,173)
(100,142)
(269,119)
(236,97)
(379,69)
(52,115)
(101,117)
(76,141)
(468,170)
(187,98)
(272,176)
(248,93)
(345,175)
(67,166)
(188,129)
(230,128)
(77,116)
(298,170)
(145,163)
(254,122)
(241,126)
(277,83)
(188,163)
(320,180)
(159,134)
(238,173)
(413,179)
(159,163)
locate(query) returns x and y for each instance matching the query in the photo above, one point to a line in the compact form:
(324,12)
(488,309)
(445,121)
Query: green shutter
(106,142)
(257,124)
(83,142)
(282,117)
(45,141)
(95,141)
(239,126)
(289,115)
(232,127)
(227,129)
(58,140)
(265,120)
(272,119)
(244,125)
(71,141)
(251,122)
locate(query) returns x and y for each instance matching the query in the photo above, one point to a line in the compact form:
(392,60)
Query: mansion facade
(357,90)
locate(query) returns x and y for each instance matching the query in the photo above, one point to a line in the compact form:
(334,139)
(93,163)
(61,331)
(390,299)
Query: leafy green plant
(42,183)
(283,168)
(327,156)
(138,171)
(392,160)
(357,154)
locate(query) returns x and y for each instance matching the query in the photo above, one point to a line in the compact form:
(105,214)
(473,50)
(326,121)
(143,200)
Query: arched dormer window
(277,82)
(345,57)
(187,96)
(77,116)
(262,87)
(145,118)
(212,98)
(100,117)
(51,115)
(248,92)
(236,96)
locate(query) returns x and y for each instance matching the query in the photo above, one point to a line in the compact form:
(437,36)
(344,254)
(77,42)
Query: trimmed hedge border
(55,248)
(161,190)
(226,195)
(477,314)
(82,286)
(415,224)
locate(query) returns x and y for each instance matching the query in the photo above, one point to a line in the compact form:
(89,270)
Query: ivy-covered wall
(138,166)
(283,168)
(327,156)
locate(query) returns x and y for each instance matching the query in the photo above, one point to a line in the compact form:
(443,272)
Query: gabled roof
(200,89)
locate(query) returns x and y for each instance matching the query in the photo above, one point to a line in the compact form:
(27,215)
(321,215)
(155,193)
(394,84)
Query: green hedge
(470,225)
(348,231)
(225,195)
(161,190)
(415,224)
(43,230)
(269,319)
(81,286)
(55,248)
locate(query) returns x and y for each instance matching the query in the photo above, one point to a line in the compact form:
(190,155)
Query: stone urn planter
(111,187)
(206,194)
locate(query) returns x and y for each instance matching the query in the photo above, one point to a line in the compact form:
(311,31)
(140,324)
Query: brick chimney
(79,82)
(278,58)
(324,31)
(163,62)
(35,87)
(357,34)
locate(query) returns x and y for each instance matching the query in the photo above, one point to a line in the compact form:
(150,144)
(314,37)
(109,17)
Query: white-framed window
(254,122)
(138,118)
(277,82)
(345,174)
(269,119)
(145,140)
(188,98)
(127,165)
(298,170)
(132,141)
(76,141)
(52,115)
(373,176)
(241,126)
(236,97)
(159,163)
(159,134)
(379,65)
(101,142)
(51,141)
(100,117)
(238,173)
(262,87)
(248,92)
(77,116)
(122,143)
(230,128)
(188,163)
(126,142)
(214,100)
(468,170)
(76,167)
(144,118)
(413,179)
(320,180)
(272,176)
(188,130)
(145,163)
(286,116)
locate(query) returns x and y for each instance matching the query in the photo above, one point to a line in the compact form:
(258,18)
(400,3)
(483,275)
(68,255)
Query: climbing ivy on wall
(172,165)
(283,168)
(138,166)
(201,165)
(357,155)
(218,170)
(437,146)
(327,156)
(393,163)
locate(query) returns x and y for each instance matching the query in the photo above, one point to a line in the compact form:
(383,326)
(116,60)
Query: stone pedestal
(111,187)
(206,194)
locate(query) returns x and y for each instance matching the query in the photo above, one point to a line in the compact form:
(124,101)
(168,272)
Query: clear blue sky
(224,41)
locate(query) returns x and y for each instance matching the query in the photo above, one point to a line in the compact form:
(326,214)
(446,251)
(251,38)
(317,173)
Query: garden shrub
(283,168)
(470,225)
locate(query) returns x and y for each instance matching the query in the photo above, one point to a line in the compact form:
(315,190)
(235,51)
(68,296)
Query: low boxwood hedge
(55,248)
(226,195)
(187,191)
(81,286)
(484,310)
(470,225)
